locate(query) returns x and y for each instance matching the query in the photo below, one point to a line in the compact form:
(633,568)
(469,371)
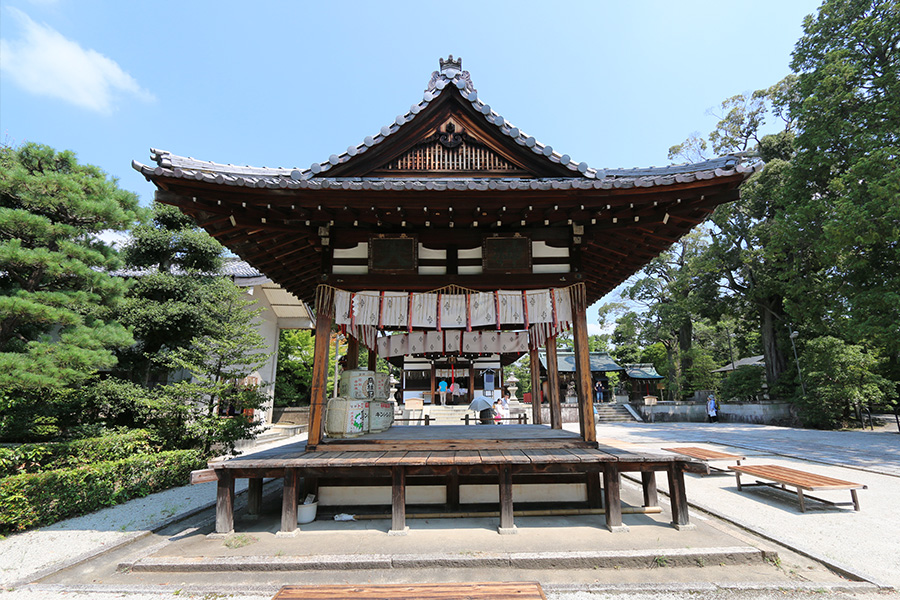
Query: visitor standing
(711,410)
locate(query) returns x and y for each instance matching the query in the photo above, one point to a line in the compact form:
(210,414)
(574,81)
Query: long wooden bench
(800,480)
(707,456)
(431,591)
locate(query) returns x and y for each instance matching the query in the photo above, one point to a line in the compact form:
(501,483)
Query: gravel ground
(692,594)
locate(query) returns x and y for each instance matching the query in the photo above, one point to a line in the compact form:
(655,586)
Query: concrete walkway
(866,543)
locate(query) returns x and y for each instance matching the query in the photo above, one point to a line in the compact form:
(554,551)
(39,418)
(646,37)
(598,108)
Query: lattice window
(451,150)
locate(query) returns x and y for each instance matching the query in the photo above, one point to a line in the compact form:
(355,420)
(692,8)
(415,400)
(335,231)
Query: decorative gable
(451,149)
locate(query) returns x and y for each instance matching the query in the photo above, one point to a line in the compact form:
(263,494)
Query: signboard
(507,254)
(489,380)
(393,254)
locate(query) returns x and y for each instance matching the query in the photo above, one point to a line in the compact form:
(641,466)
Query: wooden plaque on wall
(393,255)
(507,254)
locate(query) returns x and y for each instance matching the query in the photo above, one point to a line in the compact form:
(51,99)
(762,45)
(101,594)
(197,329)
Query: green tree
(840,378)
(56,328)
(173,264)
(847,170)
(293,380)
(215,400)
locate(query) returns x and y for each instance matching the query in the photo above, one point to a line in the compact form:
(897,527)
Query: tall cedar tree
(847,172)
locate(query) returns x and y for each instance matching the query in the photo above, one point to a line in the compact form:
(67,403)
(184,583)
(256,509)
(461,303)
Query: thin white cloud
(46,63)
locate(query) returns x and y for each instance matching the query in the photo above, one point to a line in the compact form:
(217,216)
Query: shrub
(33,499)
(744,384)
(840,377)
(34,458)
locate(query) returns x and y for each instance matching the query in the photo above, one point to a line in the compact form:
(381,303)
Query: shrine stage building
(451,235)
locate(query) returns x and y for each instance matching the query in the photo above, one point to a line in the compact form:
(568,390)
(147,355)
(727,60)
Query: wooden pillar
(453,487)
(612,498)
(289,501)
(553,384)
(373,360)
(594,489)
(398,501)
(224,501)
(433,384)
(507,523)
(535,387)
(678,497)
(583,365)
(648,482)
(319,380)
(352,353)
(471,393)
(254,496)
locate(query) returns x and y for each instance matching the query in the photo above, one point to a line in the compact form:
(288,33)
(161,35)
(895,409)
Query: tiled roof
(642,371)
(232,267)
(565,362)
(449,80)
(173,166)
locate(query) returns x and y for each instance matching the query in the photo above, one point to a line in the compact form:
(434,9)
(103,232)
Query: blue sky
(268,83)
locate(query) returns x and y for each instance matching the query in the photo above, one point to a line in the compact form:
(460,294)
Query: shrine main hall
(450,235)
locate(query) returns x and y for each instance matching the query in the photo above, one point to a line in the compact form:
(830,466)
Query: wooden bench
(800,480)
(707,456)
(429,591)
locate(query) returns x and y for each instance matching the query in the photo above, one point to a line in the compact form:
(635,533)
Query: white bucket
(357,383)
(306,513)
(346,417)
(381,415)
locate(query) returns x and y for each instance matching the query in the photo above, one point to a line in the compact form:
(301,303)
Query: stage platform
(447,455)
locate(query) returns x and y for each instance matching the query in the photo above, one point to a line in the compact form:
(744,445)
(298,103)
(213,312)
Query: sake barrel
(346,417)
(357,383)
(383,386)
(381,415)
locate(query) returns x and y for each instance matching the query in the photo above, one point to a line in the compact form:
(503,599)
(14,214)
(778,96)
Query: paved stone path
(863,543)
(878,452)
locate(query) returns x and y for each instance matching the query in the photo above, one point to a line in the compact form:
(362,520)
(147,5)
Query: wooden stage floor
(524,453)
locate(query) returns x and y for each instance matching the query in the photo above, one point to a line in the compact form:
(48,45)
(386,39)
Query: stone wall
(763,413)
(291,415)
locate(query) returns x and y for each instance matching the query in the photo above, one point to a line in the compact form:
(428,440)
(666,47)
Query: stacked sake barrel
(362,406)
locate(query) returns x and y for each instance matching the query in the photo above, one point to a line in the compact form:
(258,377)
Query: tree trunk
(771,315)
(685,339)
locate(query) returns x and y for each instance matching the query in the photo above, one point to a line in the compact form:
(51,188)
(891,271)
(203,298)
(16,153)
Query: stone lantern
(393,391)
(511,382)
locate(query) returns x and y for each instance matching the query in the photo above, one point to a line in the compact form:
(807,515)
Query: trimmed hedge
(33,499)
(50,456)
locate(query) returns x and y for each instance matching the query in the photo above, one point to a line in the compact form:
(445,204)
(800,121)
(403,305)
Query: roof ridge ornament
(450,63)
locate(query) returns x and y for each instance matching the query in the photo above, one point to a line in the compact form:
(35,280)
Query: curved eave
(215,174)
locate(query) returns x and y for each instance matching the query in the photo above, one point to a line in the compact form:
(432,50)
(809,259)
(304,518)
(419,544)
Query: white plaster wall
(437,494)
(267,325)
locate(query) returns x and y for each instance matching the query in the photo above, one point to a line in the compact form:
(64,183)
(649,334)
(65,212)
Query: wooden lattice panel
(465,157)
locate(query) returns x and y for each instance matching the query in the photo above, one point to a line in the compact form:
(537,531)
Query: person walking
(711,410)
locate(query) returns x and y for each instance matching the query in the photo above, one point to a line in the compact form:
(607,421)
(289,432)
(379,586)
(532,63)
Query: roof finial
(450,63)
